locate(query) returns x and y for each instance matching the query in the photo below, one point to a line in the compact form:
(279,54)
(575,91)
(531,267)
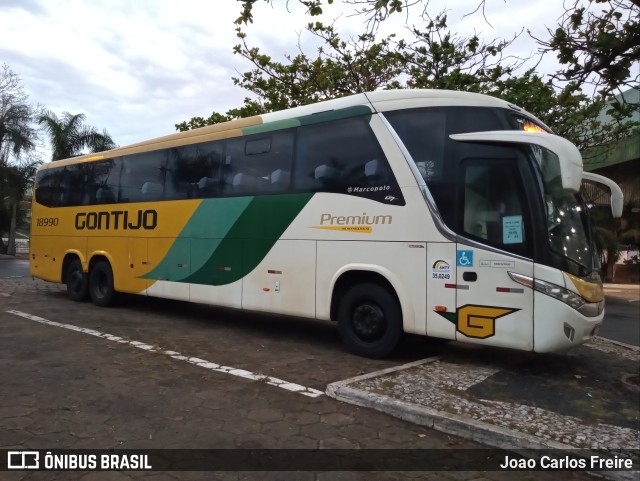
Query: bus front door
(491,308)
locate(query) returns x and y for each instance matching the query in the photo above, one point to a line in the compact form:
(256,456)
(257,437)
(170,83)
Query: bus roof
(377,101)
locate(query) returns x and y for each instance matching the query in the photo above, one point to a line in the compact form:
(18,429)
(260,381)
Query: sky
(136,68)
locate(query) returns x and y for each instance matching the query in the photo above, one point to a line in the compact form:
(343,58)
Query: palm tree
(16,115)
(15,181)
(69,137)
(16,134)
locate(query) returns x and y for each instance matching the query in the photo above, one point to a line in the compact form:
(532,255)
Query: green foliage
(16,116)
(314,8)
(15,181)
(434,57)
(439,59)
(17,138)
(598,43)
(69,137)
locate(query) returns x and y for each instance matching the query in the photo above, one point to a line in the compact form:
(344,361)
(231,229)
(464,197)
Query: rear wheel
(369,320)
(77,281)
(101,284)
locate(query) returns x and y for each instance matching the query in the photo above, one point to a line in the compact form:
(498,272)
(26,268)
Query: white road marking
(5,294)
(273,381)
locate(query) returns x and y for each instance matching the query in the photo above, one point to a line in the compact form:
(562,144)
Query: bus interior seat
(326,176)
(247,183)
(476,212)
(104,195)
(280,179)
(206,186)
(151,189)
(374,173)
(182,190)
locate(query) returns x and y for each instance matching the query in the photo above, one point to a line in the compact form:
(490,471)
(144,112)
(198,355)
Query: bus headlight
(557,292)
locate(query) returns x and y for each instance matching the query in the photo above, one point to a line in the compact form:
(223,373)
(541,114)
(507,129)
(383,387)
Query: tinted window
(194,171)
(493,208)
(48,187)
(258,164)
(425,133)
(101,181)
(345,157)
(143,177)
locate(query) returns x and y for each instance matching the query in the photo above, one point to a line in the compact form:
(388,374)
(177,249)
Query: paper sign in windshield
(512,229)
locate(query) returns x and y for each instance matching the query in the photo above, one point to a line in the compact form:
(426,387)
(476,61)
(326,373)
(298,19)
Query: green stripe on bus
(270,126)
(208,225)
(227,238)
(327,116)
(250,238)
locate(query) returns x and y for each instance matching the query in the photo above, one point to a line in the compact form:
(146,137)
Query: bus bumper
(558,327)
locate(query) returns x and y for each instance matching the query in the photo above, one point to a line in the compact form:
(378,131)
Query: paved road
(160,381)
(14,268)
(622,317)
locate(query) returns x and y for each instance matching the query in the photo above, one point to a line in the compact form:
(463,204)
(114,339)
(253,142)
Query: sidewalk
(586,398)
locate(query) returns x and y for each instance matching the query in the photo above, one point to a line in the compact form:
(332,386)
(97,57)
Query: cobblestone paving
(444,386)
(65,389)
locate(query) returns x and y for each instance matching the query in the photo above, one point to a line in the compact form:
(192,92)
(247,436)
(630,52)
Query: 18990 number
(47,221)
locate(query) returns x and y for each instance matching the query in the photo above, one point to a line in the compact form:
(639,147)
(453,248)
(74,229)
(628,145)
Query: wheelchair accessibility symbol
(464,258)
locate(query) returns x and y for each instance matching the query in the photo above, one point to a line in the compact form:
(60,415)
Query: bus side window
(48,187)
(143,177)
(492,208)
(102,180)
(71,185)
(258,164)
(337,156)
(194,171)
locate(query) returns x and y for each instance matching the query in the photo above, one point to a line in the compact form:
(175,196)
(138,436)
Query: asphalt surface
(622,315)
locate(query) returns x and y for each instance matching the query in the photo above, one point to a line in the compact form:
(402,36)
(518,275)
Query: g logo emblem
(478,322)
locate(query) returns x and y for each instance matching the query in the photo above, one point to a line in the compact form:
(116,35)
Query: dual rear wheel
(97,284)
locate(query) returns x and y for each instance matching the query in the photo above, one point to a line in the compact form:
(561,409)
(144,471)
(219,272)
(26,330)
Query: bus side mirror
(617,198)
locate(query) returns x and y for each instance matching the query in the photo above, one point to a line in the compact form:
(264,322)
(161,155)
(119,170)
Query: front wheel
(369,320)
(77,281)
(101,284)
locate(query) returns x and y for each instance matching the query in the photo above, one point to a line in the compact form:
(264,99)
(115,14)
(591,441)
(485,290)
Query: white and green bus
(440,213)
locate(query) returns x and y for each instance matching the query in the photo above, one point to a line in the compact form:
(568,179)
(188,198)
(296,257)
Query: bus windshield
(566,215)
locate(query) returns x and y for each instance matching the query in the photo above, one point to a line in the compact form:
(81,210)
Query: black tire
(101,284)
(77,281)
(369,320)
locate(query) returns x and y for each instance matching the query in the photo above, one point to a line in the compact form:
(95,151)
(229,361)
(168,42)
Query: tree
(16,116)
(17,137)
(440,59)
(69,137)
(598,44)
(375,11)
(431,57)
(340,68)
(15,181)
(436,58)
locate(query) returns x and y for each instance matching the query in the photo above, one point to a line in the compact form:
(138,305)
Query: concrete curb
(621,344)
(480,432)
